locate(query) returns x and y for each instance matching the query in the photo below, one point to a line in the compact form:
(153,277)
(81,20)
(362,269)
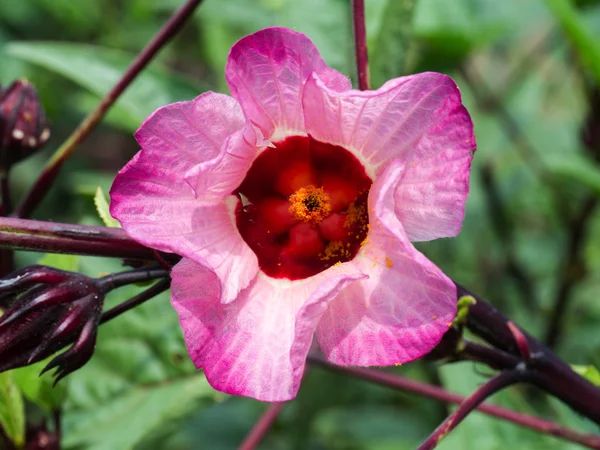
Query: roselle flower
(23,127)
(294,203)
(48,309)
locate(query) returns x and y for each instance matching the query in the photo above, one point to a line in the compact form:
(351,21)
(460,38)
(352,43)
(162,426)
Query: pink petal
(257,345)
(161,209)
(419,119)
(266,72)
(405,306)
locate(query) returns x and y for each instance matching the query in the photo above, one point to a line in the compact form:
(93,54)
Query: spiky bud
(46,310)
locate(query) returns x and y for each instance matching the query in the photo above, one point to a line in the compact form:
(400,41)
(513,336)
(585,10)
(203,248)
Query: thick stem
(52,168)
(149,293)
(405,384)
(486,390)
(547,371)
(39,236)
(360,42)
(261,427)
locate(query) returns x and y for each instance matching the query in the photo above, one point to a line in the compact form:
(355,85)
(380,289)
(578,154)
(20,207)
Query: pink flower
(294,203)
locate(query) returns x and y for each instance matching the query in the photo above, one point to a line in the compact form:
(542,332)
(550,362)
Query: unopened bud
(47,309)
(23,126)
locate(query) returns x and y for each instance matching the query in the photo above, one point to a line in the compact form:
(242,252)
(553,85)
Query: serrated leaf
(12,409)
(60,261)
(101,202)
(140,380)
(137,413)
(98,69)
(590,373)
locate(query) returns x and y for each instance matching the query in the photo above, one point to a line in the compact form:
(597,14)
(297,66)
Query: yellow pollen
(335,250)
(310,204)
(388,262)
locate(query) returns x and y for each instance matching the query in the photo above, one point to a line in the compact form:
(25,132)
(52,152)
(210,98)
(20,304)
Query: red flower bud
(54,308)
(23,126)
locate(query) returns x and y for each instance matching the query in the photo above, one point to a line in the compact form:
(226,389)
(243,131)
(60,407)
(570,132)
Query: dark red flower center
(303,207)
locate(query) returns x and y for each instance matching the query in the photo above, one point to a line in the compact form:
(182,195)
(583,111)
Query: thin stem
(5,198)
(56,418)
(149,293)
(406,384)
(117,280)
(52,168)
(504,229)
(360,42)
(486,390)
(39,236)
(260,429)
(493,357)
(572,270)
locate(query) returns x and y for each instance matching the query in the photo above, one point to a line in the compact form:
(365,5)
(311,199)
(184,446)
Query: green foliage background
(140,391)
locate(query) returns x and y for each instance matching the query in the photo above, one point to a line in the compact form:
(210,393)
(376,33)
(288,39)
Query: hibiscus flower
(293,203)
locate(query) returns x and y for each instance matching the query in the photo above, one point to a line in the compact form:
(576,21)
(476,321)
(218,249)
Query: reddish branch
(38,236)
(406,384)
(261,428)
(360,42)
(545,370)
(499,382)
(52,168)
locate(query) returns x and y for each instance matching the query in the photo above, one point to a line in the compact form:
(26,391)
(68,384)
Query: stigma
(310,205)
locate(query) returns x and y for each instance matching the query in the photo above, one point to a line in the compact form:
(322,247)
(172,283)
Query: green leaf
(577,168)
(582,40)
(40,389)
(590,373)
(12,409)
(60,261)
(391,55)
(98,69)
(136,414)
(140,380)
(101,202)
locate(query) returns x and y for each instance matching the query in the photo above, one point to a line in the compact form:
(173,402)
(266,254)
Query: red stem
(261,427)
(437,393)
(548,372)
(486,390)
(52,168)
(38,236)
(360,42)
(133,302)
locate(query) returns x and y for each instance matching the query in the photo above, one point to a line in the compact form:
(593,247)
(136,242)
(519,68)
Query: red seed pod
(23,126)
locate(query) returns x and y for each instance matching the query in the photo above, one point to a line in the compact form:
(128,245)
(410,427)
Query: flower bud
(55,308)
(23,126)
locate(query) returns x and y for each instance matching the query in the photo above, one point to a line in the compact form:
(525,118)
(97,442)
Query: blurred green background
(529,73)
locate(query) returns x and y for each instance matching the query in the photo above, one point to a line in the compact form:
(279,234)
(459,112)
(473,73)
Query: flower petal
(405,306)
(159,208)
(257,345)
(266,72)
(419,119)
